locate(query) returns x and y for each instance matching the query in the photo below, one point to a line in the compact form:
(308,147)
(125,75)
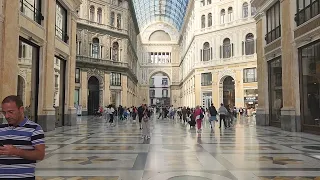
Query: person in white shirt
(105,113)
(111,111)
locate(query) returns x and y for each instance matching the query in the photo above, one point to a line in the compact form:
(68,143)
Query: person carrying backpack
(213,115)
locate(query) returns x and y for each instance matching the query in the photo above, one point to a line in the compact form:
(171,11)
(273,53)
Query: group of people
(143,113)
(195,116)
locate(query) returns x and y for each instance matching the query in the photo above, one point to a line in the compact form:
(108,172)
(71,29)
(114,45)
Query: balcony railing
(101,61)
(310,11)
(206,83)
(62,34)
(104,26)
(30,11)
(273,34)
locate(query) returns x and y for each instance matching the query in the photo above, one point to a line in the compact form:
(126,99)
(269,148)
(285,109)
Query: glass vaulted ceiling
(170,11)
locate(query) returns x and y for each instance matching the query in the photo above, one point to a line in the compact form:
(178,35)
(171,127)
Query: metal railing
(273,34)
(206,83)
(62,34)
(101,61)
(104,26)
(307,13)
(35,14)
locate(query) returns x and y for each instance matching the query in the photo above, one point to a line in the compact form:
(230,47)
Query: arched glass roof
(170,11)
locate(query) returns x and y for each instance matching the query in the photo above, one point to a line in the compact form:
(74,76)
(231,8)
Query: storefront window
(275,91)
(310,72)
(251,98)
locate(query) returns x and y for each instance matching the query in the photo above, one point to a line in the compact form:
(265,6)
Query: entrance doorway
(206,99)
(159,90)
(93,97)
(28,87)
(228,91)
(59,90)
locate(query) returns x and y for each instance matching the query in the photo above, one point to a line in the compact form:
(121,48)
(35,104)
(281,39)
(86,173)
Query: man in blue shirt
(21,142)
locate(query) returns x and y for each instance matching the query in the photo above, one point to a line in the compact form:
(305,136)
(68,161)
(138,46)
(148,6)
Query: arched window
(118,21)
(222,14)
(95,48)
(209,2)
(91,13)
(206,52)
(209,20)
(115,51)
(249,44)
(245,10)
(99,15)
(112,17)
(226,48)
(230,14)
(203,21)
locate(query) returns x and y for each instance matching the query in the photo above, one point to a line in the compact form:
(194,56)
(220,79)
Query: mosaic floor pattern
(92,150)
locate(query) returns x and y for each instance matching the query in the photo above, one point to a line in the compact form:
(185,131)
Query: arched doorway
(159,90)
(93,96)
(228,91)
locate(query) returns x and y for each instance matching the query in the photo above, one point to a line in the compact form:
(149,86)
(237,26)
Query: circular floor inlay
(312,147)
(188,178)
(176,147)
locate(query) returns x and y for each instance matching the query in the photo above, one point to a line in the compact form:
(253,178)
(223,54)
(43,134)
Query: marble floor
(92,150)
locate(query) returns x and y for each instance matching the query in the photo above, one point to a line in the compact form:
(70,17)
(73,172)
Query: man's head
(13,110)
(211,104)
(221,104)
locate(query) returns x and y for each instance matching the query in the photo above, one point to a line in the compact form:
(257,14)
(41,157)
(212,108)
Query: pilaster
(107,89)
(262,75)
(71,116)
(47,116)
(124,92)
(84,92)
(10,41)
(288,119)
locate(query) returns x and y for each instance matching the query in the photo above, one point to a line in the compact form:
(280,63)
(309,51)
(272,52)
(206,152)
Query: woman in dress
(146,123)
(198,114)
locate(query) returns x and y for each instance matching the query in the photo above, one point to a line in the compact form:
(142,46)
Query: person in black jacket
(140,114)
(213,115)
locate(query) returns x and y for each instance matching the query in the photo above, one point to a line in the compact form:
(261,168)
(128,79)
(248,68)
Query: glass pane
(310,60)
(25,78)
(275,91)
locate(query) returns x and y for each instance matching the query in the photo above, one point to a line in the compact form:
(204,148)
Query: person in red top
(198,114)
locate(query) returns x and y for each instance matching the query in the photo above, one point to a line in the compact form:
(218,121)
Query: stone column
(9,43)
(124,92)
(288,113)
(262,75)
(46,115)
(84,92)
(107,93)
(238,87)
(71,116)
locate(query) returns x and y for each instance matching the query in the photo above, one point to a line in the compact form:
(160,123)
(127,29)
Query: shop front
(309,58)
(251,98)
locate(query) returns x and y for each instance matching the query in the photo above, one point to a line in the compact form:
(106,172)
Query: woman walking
(146,123)
(198,114)
(134,114)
